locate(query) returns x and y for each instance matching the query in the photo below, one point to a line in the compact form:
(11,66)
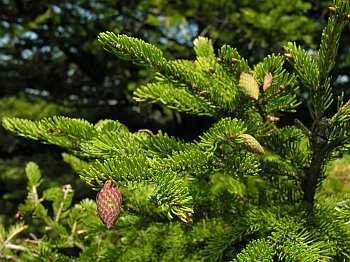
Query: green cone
(109,202)
(251,144)
(248,85)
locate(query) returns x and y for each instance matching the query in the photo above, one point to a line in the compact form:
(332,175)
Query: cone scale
(109,202)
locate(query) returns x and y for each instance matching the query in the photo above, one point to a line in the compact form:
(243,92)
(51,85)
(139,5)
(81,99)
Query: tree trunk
(313,174)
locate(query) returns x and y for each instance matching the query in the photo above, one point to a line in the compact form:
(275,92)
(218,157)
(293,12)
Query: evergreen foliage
(247,189)
(16,152)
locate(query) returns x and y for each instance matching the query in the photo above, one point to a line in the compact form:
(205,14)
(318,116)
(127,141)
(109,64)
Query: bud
(248,86)
(251,144)
(273,119)
(82,231)
(267,81)
(282,87)
(91,182)
(189,219)
(109,202)
(289,56)
(234,60)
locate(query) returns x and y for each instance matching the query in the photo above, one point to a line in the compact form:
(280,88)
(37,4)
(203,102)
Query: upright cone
(251,144)
(267,81)
(109,202)
(248,85)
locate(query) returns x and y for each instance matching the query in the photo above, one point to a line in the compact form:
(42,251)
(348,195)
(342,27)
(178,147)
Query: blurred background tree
(51,63)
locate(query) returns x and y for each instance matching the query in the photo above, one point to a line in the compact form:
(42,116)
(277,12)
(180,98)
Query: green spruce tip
(109,202)
(248,85)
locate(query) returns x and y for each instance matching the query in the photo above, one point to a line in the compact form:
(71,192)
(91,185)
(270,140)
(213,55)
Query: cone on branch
(109,202)
(251,144)
(248,85)
(267,81)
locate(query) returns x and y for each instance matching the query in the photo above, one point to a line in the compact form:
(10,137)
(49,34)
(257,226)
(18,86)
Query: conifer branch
(66,190)
(315,78)
(175,98)
(331,36)
(257,250)
(132,49)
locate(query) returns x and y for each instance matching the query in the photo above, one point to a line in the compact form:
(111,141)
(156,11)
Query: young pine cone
(251,144)
(248,86)
(109,202)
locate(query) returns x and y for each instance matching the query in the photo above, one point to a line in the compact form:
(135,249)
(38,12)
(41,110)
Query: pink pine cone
(109,202)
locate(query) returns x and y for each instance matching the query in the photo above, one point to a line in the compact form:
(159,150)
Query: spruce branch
(62,131)
(12,232)
(278,88)
(303,128)
(191,161)
(108,125)
(118,169)
(304,65)
(15,247)
(207,86)
(342,114)
(339,140)
(66,190)
(225,131)
(314,76)
(172,196)
(256,250)
(215,90)
(331,228)
(271,66)
(343,210)
(139,52)
(232,61)
(179,99)
(160,145)
(106,144)
(331,36)
(218,244)
(9,258)
(287,142)
(204,49)
(132,49)
(300,246)
(34,181)
(308,72)
(6,237)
